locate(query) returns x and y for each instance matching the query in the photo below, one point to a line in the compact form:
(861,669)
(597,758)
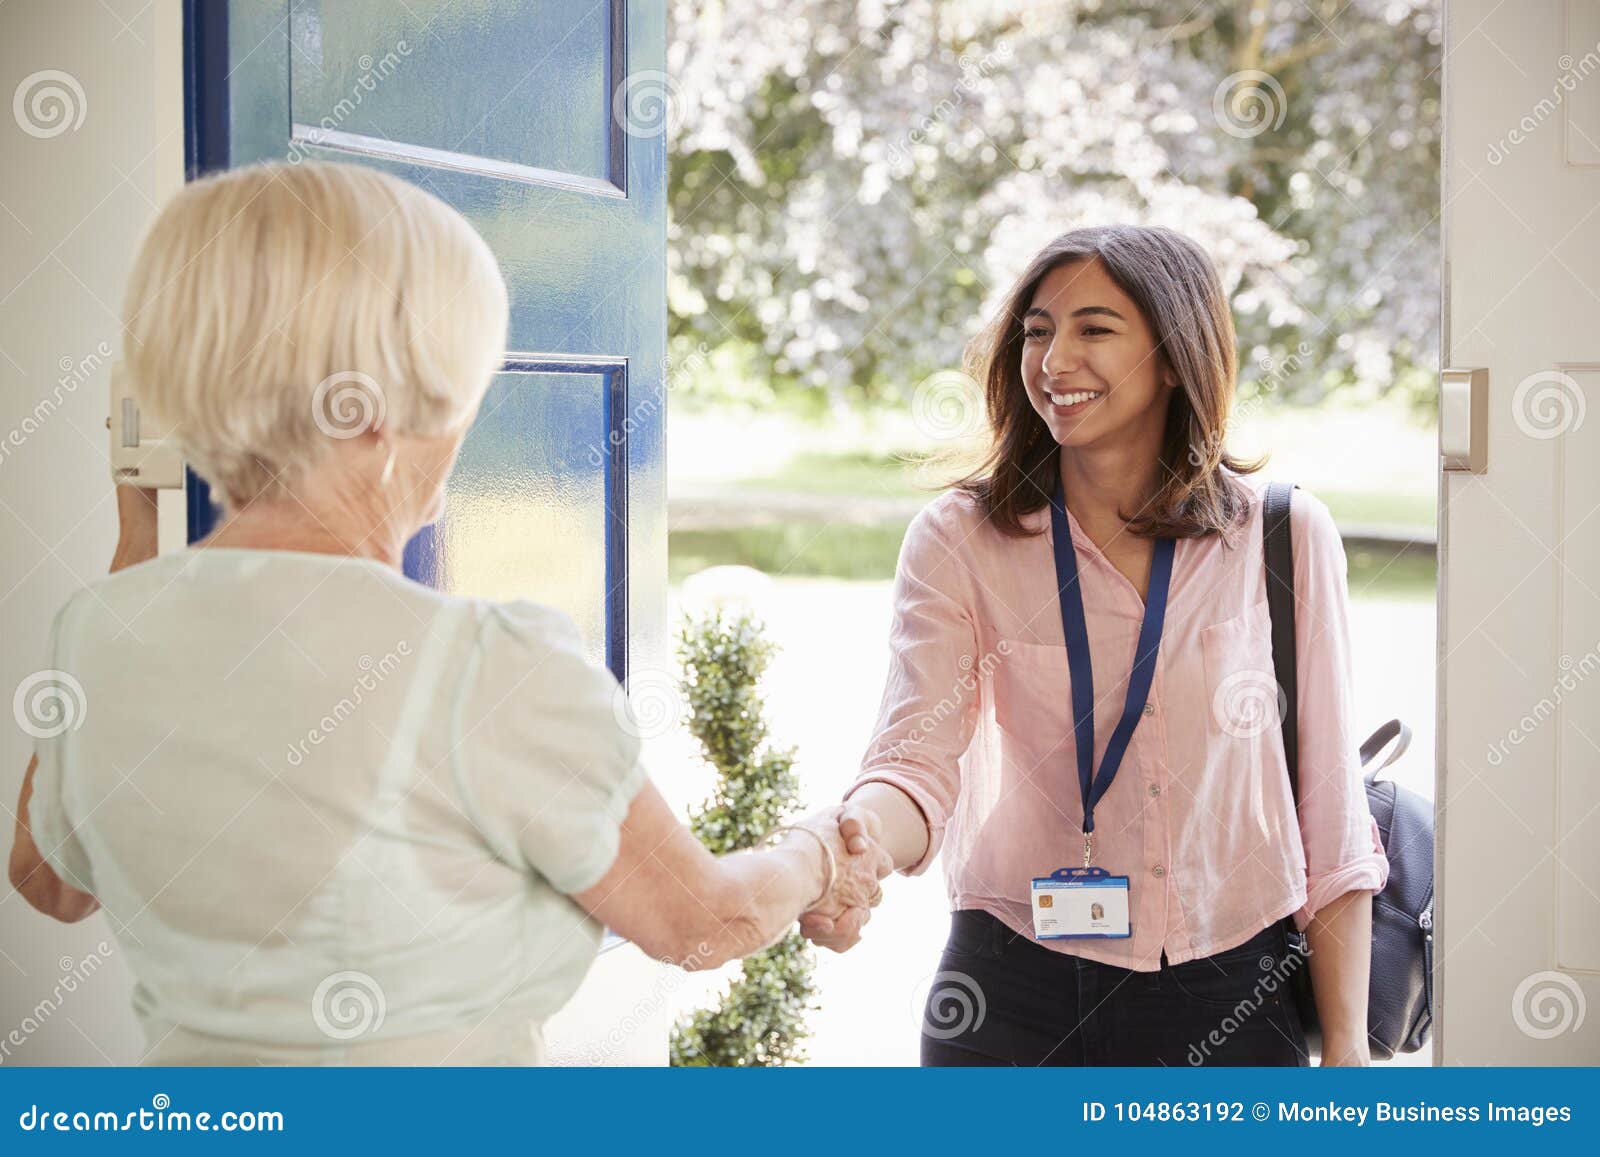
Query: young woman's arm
(679,903)
(910,776)
(1340,938)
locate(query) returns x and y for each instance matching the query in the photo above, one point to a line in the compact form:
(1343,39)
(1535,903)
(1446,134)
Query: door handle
(1464,420)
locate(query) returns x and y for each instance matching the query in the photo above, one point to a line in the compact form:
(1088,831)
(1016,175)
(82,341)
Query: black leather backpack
(1400,999)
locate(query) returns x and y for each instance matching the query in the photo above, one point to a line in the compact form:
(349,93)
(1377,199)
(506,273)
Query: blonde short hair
(276,309)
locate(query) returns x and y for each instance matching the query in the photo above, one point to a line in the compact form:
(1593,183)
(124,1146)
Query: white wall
(72,207)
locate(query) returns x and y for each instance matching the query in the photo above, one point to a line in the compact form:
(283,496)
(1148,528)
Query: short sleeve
(544,754)
(52,833)
(48,818)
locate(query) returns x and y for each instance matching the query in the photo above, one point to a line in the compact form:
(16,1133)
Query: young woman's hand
(1338,1052)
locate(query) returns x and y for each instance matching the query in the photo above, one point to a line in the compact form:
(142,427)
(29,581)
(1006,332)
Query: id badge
(1079,903)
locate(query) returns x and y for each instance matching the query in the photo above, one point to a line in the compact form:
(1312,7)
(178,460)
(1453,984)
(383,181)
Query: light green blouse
(333,816)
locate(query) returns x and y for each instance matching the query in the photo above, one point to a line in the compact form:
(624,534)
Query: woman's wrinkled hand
(852,832)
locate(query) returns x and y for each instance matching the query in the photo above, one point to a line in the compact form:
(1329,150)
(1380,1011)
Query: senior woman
(305,787)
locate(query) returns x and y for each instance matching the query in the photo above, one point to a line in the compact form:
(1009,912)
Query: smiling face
(1089,360)
(1137,318)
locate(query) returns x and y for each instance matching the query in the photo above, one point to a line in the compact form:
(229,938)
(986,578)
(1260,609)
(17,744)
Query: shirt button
(1155,789)
(1149,708)
(1158,871)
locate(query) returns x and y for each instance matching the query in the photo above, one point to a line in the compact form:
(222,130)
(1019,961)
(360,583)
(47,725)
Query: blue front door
(534,118)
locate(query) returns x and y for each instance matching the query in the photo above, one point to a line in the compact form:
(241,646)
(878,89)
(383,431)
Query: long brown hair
(1175,286)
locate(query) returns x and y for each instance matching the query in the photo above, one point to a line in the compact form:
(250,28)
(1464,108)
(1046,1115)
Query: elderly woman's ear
(386,447)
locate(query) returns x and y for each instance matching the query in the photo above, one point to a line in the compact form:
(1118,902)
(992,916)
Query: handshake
(850,832)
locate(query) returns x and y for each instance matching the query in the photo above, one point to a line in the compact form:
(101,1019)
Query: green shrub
(759,1019)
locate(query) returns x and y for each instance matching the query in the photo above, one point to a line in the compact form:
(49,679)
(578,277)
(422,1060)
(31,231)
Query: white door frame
(1518,774)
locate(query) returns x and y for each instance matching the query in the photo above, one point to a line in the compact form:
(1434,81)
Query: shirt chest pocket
(1243,699)
(1033,699)
(1033,691)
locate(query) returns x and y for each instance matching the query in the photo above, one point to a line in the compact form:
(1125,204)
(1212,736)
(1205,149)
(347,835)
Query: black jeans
(1002,998)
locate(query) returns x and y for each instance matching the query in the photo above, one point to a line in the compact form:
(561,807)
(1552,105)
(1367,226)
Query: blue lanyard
(1076,630)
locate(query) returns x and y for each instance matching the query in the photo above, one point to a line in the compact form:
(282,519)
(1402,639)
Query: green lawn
(1374,508)
(811,546)
(888,475)
(811,549)
(821,549)
(856,472)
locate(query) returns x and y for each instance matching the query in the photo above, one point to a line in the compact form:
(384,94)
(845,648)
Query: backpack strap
(1278,539)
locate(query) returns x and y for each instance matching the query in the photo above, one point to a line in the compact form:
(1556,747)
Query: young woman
(1101,579)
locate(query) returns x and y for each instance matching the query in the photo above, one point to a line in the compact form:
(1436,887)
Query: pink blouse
(976,727)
